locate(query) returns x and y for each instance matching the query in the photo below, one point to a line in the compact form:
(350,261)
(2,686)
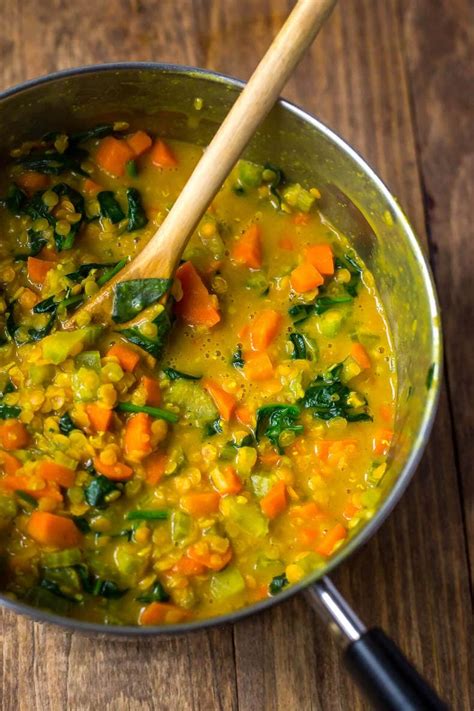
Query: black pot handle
(381,670)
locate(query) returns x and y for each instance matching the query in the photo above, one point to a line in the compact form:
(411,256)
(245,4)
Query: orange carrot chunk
(224,401)
(162,156)
(137,437)
(17,482)
(200,504)
(197,307)
(113,155)
(13,434)
(248,249)
(126,356)
(360,355)
(31,181)
(90,187)
(38,269)
(99,416)
(157,613)
(244,415)
(305,278)
(59,474)
(274,503)
(188,567)
(155,466)
(52,530)
(139,142)
(258,366)
(321,257)
(327,545)
(307,511)
(9,463)
(116,472)
(226,480)
(201,553)
(264,328)
(152,390)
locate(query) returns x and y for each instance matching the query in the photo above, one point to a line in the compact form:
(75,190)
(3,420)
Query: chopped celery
(129,564)
(62,559)
(259,283)
(268,566)
(88,359)
(350,369)
(63,344)
(296,196)
(330,322)
(250,174)
(227,584)
(195,401)
(243,518)
(40,374)
(261,484)
(181,525)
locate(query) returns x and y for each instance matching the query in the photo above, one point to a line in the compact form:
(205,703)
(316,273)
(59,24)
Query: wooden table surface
(395,79)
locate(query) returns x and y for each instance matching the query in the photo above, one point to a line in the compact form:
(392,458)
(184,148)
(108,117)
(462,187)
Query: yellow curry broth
(145,549)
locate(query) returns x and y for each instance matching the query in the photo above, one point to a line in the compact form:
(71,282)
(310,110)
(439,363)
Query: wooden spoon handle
(161,254)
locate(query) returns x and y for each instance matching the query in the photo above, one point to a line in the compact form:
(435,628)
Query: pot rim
(431,400)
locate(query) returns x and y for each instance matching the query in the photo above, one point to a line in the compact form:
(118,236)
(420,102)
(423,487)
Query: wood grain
(382,74)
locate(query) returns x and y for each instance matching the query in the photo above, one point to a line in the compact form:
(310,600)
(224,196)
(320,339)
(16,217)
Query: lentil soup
(224,438)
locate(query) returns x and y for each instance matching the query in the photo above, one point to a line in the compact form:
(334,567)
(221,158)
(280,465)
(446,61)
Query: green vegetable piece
(62,559)
(131,297)
(100,131)
(131,169)
(137,218)
(39,374)
(274,420)
(89,359)
(328,397)
(9,412)
(350,263)
(227,583)
(109,207)
(174,374)
(299,346)
(246,517)
(237,359)
(47,306)
(278,583)
(84,270)
(55,589)
(148,515)
(15,199)
(250,174)
(156,345)
(27,501)
(157,412)
(65,190)
(330,323)
(213,428)
(54,163)
(261,484)
(66,425)
(62,345)
(430,376)
(129,564)
(8,510)
(181,526)
(109,273)
(296,196)
(107,589)
(97,491)
(194,401)
(156,594)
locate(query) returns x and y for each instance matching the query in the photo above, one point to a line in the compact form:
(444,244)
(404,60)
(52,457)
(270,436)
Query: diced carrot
(307,535)
(224,401)
(274,503)
(197,307)
(244,415)
(28,299)
(155,466)
(201,553)
(307,511)
(188,567)
(305,278)
(286,243)
(113,155)
(37,270)
(52,530)
(200,504)
(264,328)
(321,257)
(116,472)
(152,390)
(137,436)
(360,355)
(269,459)
(157,613)
(31,181)
(126,356)
(386,412)
(90,187)
(226,480)
(301,218)
(162,156)
(13,434)
(381,442)
(9,463)
(327,545)
(58,473)
(258,366)
(100,417)
(248,249)
(321,449)
(350,510)
(17,482)
(243,334)
(139,142)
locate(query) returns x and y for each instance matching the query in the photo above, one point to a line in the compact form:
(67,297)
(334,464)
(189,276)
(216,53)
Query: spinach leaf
(149,410)
(65,190)
(100,131)
(26,498)
(66,425)
(9,412)
(36,334)
(237,359)
(109,207)
(212,428)
(99,488)
(155,346)
(156,594)
(84,270)
(299,346)
(55,589)
(54,163)
(274,420)
(36,242)
(229,450)
(148,515)
(82,523)
(328,397)
(107,589)
(109,273)
(47,306)
(300,312)
(134,295)
(277,177)
(15,199)
(278,583)
(350,263)
(174,374)
(136,214)
(131,169)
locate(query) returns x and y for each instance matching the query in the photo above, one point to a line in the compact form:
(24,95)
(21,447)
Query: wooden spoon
(161,255)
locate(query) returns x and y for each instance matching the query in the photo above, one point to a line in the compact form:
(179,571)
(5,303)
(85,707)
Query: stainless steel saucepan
(161,98)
